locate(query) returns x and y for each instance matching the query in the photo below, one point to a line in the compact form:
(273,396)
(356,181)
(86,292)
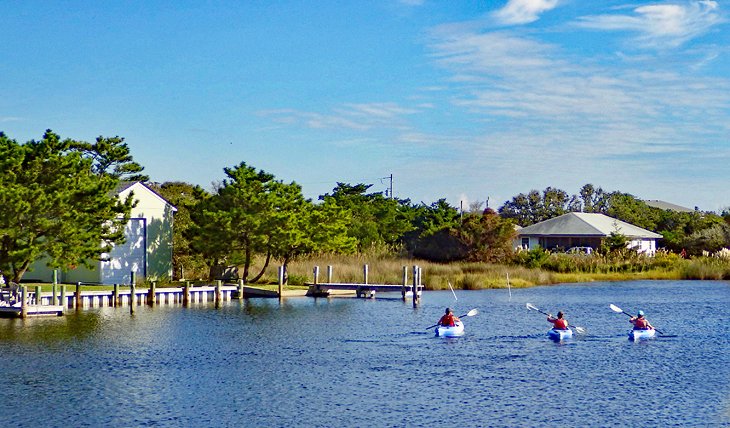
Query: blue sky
(463,100)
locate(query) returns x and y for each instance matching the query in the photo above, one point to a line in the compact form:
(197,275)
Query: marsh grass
(706,268)
(558,268)
(435,276)
(473,276)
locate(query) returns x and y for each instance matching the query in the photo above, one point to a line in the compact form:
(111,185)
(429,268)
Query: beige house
(147,249)
(583,230)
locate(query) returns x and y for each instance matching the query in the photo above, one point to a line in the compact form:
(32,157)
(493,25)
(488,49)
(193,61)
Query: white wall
(644,246)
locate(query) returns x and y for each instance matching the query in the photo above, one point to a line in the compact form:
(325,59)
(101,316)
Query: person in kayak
(448,319)
(640,323)
(559,323)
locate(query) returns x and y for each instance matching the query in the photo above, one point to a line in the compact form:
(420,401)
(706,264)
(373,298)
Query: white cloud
(351,116)
(659,25)
(546,101)
(523,11)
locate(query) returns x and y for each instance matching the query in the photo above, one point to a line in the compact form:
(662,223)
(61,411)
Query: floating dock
(31,311)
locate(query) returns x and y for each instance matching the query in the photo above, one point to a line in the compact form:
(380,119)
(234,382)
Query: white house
(147,249)
(583,230)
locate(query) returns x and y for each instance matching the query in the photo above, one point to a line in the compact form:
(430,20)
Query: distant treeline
(251,214)
(58,202)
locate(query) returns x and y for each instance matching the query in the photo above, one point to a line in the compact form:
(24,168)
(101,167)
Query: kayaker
(448,319)
(559,323)
(640,323)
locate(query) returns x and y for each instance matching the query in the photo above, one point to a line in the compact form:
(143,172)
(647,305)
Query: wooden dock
(31,311)
(361,290)
(63,296)
(412,289)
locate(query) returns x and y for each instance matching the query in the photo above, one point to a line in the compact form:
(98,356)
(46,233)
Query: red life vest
(559,323)
(640,324)
(447,319)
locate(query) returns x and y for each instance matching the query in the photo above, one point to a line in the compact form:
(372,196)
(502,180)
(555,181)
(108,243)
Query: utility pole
(391,186)
(389,190)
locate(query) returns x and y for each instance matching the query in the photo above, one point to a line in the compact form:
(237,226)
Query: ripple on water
(329,363)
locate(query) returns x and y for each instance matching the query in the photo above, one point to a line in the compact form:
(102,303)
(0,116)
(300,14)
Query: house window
(526,243)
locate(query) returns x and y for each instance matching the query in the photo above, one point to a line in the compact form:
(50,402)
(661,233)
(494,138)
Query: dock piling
(132,293)
(116,302)
(77,296)
(23,301)
(405,283)
(416,297)
(186,294)
(152,294)
(53,287)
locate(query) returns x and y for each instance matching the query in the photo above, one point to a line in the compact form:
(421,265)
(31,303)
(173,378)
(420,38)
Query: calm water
(366,363)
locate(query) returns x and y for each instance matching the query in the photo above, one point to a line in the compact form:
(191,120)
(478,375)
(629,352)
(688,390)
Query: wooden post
(186,294)
(218,293)
(79,304)
(405,282)
(415,287)
(240,289)
(115,296)
(54,285)
(329,273)
(359,291)
(281,282)
(316,280)
(38,297)
(63,302)
(152,294)
(23,301)
(132,292)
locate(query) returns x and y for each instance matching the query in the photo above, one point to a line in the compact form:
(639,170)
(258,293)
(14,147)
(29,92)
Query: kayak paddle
(471,313)
(579,330)
(621,311)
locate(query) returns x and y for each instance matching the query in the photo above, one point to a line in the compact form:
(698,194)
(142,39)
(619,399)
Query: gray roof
(667,206)
(123,185)
(585,224)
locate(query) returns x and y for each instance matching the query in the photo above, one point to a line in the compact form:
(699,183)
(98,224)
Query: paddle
(579,330)
(471,313)
(452,291)
(621,311)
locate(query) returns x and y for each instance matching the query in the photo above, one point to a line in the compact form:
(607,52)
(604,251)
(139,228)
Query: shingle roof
(585,224)
(667,206)
(123,185)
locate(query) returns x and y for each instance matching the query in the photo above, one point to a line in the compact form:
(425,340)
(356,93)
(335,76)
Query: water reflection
(348,362)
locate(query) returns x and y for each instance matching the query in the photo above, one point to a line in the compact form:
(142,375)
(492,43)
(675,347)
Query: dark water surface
(371,363)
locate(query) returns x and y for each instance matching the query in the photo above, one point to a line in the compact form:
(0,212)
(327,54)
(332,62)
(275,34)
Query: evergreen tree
(111,156)
(183,196)
(55,205)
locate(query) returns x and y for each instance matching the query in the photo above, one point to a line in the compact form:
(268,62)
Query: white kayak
(448,331)
(558,334)
(640,334)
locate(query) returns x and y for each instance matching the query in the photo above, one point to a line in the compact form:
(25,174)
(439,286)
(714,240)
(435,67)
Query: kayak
(639,334)
(448,331)
(556,334)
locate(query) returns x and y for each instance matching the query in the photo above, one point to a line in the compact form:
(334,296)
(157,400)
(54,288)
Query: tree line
(59,203)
